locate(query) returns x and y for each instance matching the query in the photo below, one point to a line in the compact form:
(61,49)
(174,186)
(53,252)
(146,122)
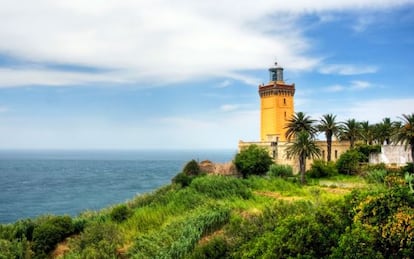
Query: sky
(184,74)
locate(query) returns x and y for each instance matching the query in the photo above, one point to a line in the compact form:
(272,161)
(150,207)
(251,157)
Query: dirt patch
(278,196)
(60,250)
(207,238)
(122,251)
(336,190)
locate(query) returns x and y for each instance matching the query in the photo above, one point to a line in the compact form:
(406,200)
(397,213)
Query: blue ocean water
(34,183)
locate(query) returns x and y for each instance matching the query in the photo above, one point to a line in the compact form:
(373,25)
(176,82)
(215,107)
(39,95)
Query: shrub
(376,176)
(192,168)
(219,187)
(120,213)
(283,171)
(348,162)
(99,240)
(365,150)
(49,232)
(321,168)
(183,179)
(214,248)
(409,167)
(253,160)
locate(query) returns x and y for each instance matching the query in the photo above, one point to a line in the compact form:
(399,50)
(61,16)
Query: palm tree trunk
(302,165)
(329,146)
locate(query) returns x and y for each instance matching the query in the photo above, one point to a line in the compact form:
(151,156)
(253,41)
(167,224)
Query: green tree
(253,160)
(405,134)
(192,168)
(385,131)
(350,131)
(303,147)
(348,162)
(330,127)
(367,132)
(299,122)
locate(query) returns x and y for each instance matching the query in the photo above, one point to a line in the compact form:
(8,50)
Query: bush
(51,231)
(283,171)
(192,168)
(348,162)
(321,168)
(409,167)
(214,248)
(376,176)
(99,240)
(365,150)
(183,179)
(121,213)
(253,160)
(219,187)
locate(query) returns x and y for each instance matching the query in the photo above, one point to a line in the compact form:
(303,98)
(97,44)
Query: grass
(170,222)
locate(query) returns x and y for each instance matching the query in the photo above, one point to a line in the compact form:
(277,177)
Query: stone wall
(393,155)
(278,151)
(209,167)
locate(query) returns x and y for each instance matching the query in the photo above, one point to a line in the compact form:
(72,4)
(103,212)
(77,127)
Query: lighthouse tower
(276,106)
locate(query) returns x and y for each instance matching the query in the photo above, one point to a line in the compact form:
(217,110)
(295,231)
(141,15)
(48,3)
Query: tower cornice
(276,88)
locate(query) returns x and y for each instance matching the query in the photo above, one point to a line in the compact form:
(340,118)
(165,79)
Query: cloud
(356,85)
(360,85)
(335,88)
(171,42)
(347,69)
(363,23)
(224,84)
(229,107)
(376,110)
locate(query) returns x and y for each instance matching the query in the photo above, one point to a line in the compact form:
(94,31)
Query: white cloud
(356,85)
(224,84)
(363,23)
(360,85)
(159,39)
(229,107)
(347,69)
(335,88)
(376,110)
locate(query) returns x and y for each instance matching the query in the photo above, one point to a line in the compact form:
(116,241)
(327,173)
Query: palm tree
(328,125)
(385,131)
(350,131)
(299,122)
(405,134)
(303,147)
(367,132)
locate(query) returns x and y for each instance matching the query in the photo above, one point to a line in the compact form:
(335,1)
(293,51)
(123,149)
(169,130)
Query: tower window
(285,115)
(323,154)
(284,100)
(336,154)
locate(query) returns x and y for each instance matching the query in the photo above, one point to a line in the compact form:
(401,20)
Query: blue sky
(136,75)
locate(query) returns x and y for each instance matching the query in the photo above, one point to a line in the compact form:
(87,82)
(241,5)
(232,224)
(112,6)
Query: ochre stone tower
(276,106)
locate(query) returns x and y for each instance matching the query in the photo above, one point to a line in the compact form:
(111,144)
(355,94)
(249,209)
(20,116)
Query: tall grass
(178,238)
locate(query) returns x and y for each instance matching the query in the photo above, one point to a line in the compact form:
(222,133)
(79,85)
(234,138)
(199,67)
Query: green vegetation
(283,171)
(254,160)
(369,215)
(302,148)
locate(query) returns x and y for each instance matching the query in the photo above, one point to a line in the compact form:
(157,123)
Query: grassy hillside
(228,217)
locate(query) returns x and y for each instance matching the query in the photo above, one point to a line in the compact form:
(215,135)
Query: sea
(34,183)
